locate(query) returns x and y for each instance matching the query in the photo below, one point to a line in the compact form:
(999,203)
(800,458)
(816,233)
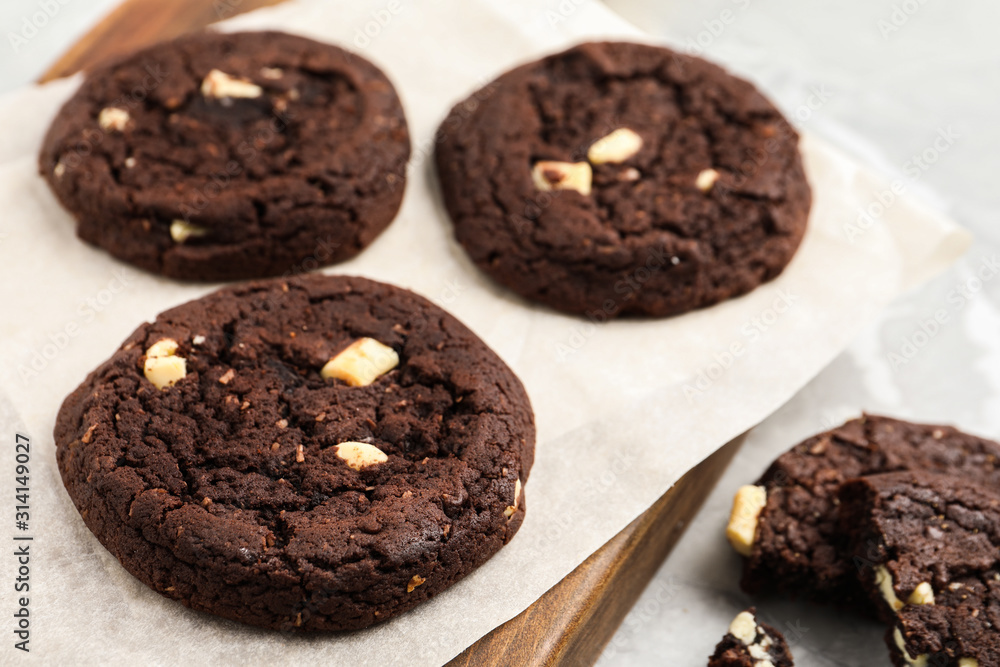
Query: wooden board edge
(135,24)
(573,622)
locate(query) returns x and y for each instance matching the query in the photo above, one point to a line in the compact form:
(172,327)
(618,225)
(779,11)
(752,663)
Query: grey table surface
(911,87)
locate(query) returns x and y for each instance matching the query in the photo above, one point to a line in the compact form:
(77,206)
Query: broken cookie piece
(926,548)
(797,546)
(751,643)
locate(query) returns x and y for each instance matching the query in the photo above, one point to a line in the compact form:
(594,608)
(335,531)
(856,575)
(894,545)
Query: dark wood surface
(574,620)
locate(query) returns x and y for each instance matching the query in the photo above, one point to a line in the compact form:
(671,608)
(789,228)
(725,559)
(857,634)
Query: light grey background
(883,79)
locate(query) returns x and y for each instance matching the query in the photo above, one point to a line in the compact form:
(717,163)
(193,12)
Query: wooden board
(575,619)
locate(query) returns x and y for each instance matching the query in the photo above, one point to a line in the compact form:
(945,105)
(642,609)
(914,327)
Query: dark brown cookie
(320,453)
(623,179)
(231,156)
(750,643)
(786,525)
(927,550)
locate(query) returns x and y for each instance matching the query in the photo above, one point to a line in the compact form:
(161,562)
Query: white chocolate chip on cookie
(181,231)
(615,148)
(742,528)
(884,582)
(361,363)
(744,627)
(162,366)
(706,179)
(360,455)
(112,119)
(922,594)
(219,85)
(551,175)
(919,661)
(509,512)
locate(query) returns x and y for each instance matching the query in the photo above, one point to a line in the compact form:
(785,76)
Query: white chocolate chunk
(361,363)
(922,594)
(219,84)
(162,366)
(113,119)
(272,72)
(760,655)
(747,505)
(884,582)
(968,662)
(744,627)
(129,162)
(509,512)
(616,147)
(181,231)
(919,661)
(552,175)
(706,179)
(165,347)
(360,455)
(59,170)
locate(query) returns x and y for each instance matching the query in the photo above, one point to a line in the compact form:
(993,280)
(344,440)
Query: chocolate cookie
(750,643)
(231,156)
(927,550)
(623,179)
(321,453)
(786,525)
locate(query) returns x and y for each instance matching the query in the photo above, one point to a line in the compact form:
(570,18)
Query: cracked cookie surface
(927,549)
(695,194)
(231,156)
(797,547)
(226,488)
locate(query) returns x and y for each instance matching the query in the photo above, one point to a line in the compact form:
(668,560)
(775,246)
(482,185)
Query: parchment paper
(623,409)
